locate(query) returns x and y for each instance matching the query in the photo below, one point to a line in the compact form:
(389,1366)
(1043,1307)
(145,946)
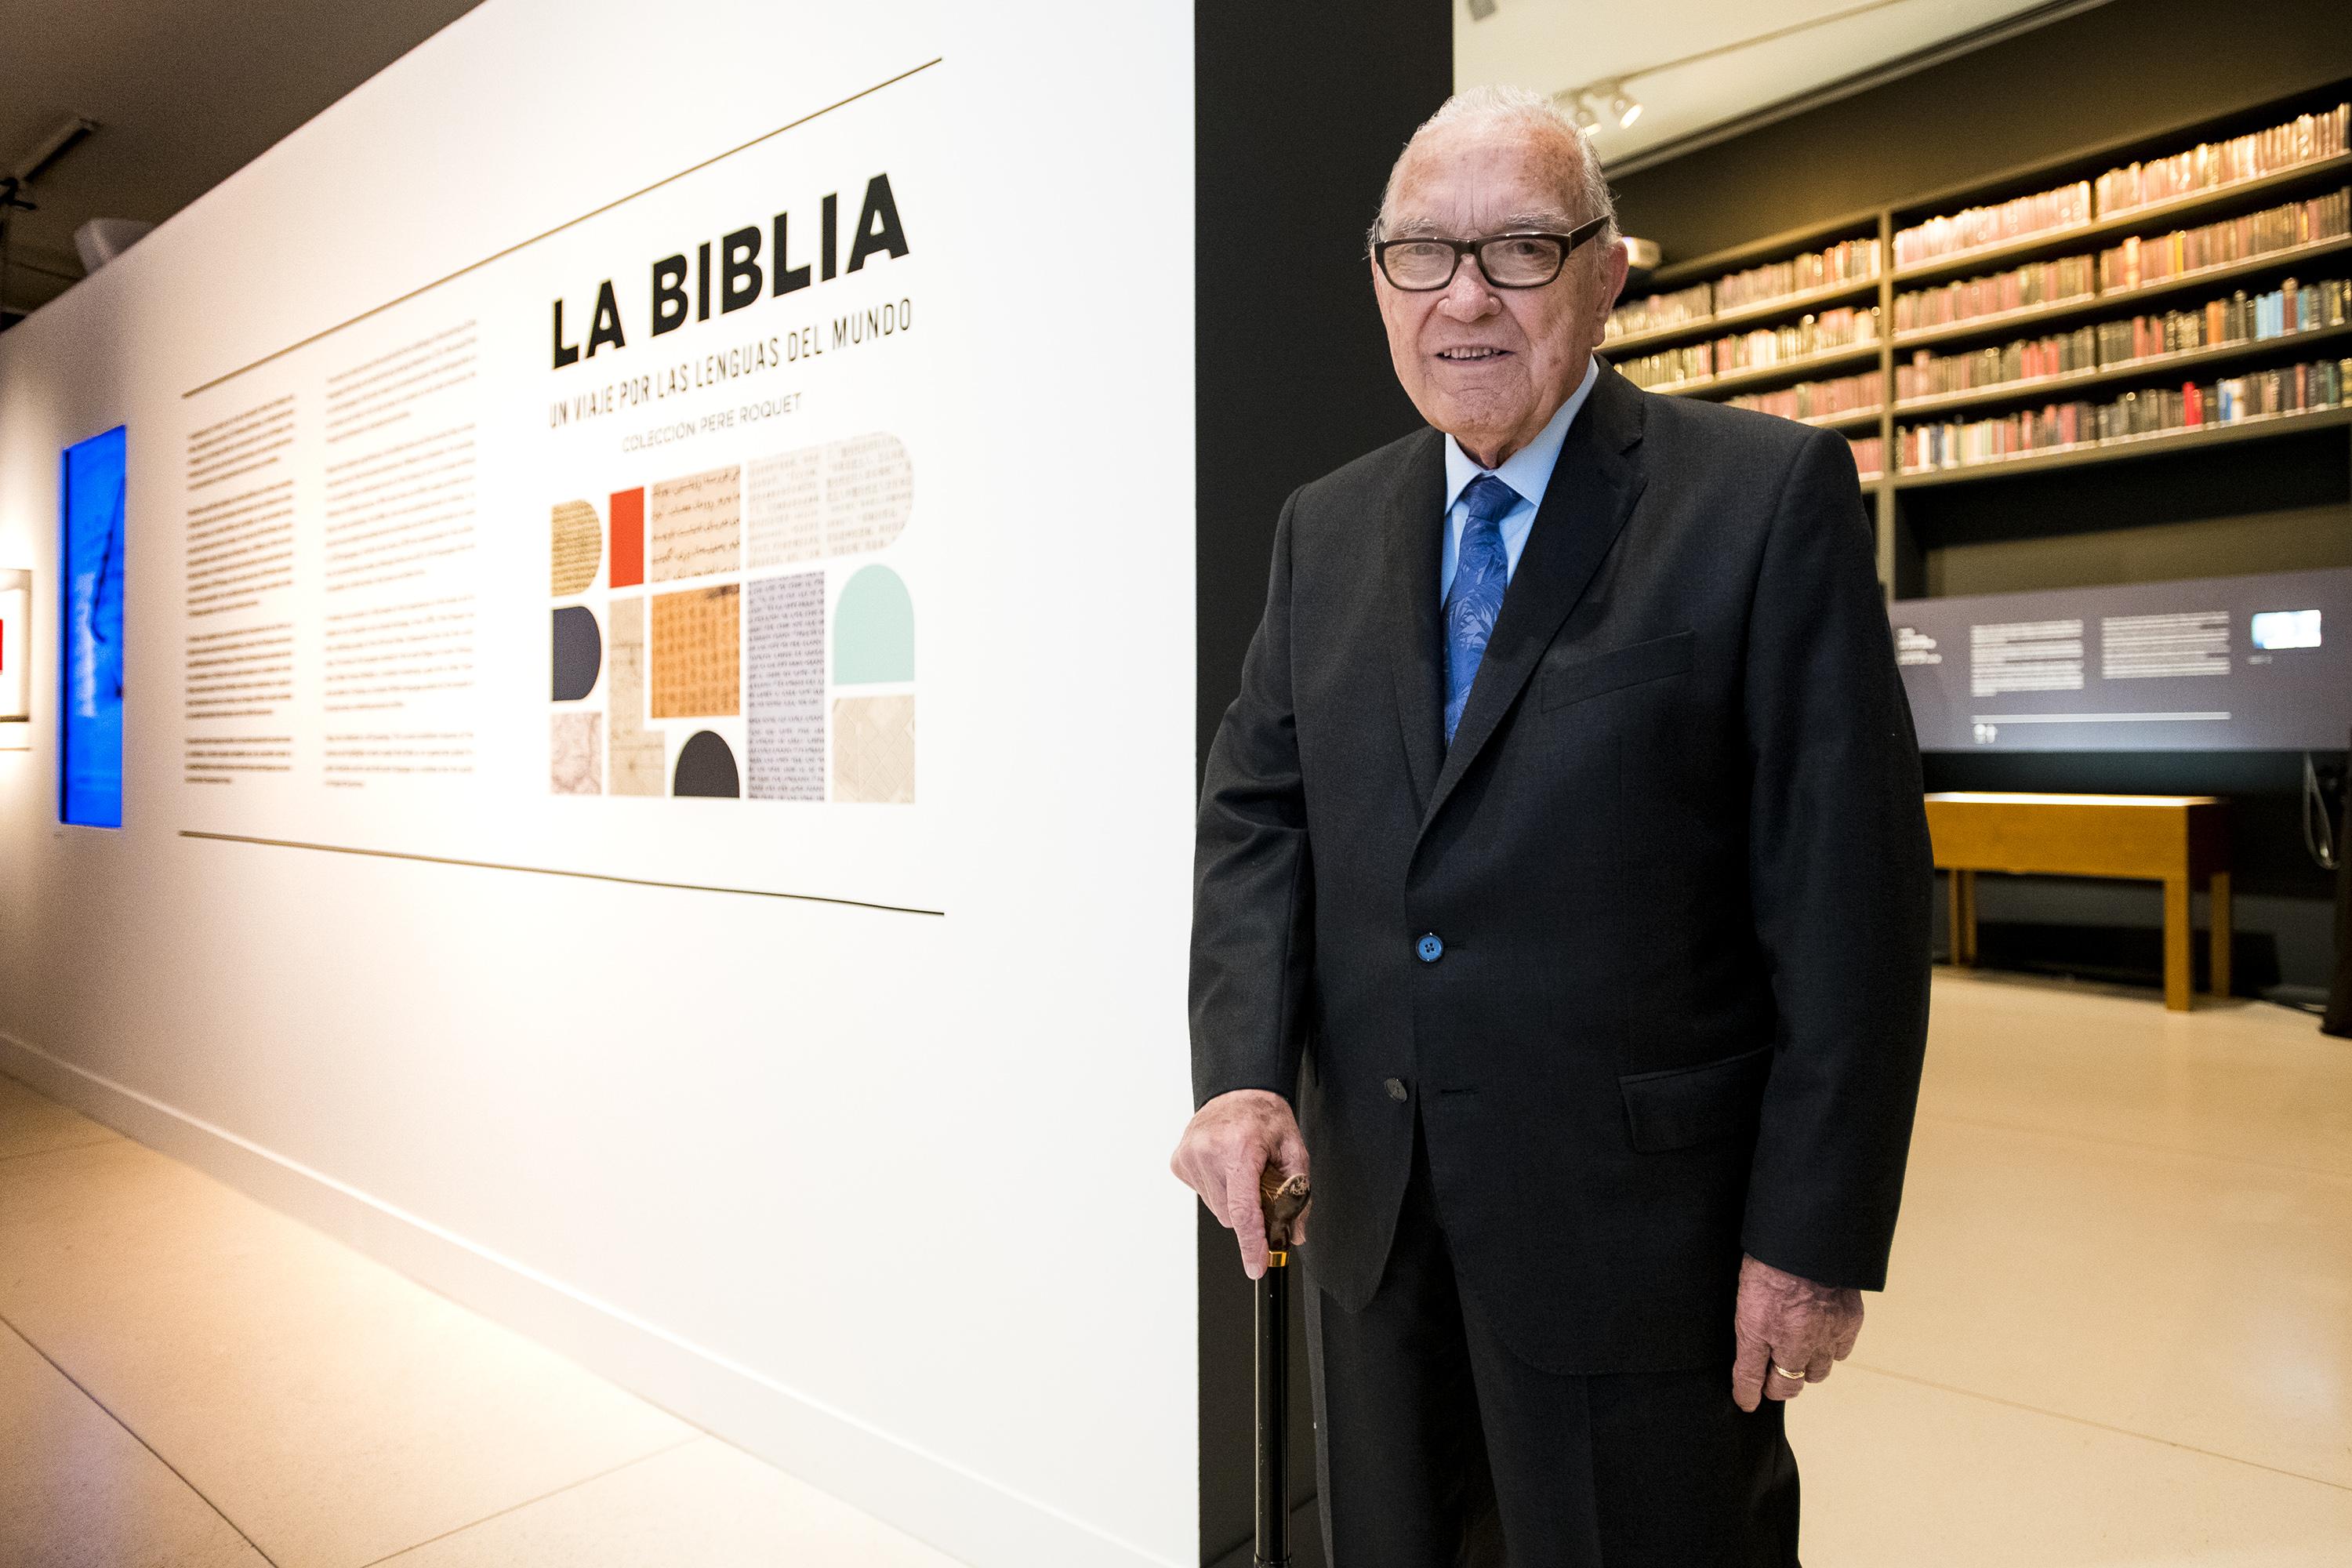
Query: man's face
(1490,366)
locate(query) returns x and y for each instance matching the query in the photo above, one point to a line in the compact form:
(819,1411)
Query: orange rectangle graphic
(697,665)
(628,538)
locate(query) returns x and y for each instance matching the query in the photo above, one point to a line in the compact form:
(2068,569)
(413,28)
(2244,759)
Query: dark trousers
(1439,1448)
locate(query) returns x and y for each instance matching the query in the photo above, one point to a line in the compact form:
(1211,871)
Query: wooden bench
(2179,840)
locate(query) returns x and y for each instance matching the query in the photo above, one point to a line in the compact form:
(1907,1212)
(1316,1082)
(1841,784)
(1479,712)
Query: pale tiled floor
(190,1380)
(2118,1323)
(2119,1332)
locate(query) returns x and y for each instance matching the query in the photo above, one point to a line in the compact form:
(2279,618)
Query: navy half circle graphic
(579,649)
(707,767)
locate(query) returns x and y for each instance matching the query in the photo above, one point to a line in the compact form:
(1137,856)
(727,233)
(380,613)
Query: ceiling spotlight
(1481,9)
(1600,98)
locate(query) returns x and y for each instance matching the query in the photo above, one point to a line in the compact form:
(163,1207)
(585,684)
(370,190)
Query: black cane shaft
(1273,1549)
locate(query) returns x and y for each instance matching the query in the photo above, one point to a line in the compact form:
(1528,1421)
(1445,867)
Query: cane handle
(1284,1199)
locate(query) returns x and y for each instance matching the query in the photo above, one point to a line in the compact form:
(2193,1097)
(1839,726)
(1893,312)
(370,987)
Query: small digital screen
(91,733)
(2287,628)
(2192,665)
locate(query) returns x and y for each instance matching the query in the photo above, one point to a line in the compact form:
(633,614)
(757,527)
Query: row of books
(2289,309)
(1824,333)
(2138,261)
(2261,394)
(1808,335)
(1656,313)
(1670,367)
(2210,165)
(1860,394)
(1935,376)
(2152,411)
(1849,261)
(2053,283)
(2205,167)
(1869,456)
(2241,318)
(1978,228)
(1966,444)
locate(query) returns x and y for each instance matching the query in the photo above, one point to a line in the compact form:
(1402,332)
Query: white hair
(1521,108)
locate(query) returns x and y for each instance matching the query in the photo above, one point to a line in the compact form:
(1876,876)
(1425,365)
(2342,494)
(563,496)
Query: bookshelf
(2222,200)
(2098,394)
(1843,307)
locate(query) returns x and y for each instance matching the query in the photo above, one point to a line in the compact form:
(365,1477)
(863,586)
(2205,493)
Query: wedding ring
(1784,1371)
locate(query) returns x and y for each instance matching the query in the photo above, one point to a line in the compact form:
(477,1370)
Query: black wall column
(1300,109)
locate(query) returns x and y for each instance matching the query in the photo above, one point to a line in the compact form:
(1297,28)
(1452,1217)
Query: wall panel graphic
(691,413)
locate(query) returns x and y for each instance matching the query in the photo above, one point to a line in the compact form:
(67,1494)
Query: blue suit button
(1430,948)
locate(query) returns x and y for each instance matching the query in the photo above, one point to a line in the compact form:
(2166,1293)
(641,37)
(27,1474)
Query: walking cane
(1284,1199)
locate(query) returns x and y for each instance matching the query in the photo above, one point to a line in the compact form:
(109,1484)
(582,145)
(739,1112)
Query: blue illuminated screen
(90,734)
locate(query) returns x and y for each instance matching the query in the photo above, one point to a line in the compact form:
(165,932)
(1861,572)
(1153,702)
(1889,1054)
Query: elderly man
(1563,861)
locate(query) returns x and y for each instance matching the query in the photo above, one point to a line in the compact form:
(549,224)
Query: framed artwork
(89,729)
(16,654)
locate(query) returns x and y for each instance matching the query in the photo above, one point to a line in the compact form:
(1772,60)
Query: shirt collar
(1528,469)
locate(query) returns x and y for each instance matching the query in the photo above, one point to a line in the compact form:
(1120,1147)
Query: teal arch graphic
(874,630)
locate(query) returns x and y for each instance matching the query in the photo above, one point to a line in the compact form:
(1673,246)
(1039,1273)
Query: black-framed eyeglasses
(1524,261)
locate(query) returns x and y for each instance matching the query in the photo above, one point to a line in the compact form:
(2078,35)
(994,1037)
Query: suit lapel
(1594,488)
(1411,535)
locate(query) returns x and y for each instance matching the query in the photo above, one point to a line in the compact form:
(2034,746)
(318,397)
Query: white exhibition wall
(835,1120)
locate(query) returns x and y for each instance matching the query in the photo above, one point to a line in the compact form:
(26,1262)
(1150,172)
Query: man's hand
(1225,1147)
(1783,1324)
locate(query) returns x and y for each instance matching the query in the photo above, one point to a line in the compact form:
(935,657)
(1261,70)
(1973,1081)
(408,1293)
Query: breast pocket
(1574,680)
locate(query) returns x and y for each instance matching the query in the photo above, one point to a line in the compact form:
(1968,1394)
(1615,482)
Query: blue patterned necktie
(1480,572)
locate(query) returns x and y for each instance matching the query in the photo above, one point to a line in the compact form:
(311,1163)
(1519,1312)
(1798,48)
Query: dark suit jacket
(1676,856)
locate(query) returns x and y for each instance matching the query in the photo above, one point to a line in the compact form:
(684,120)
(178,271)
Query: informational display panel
(2255,663)
(612,555)
(91,728)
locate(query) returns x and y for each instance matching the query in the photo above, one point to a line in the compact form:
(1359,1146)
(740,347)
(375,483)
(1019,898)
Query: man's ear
(1612,281)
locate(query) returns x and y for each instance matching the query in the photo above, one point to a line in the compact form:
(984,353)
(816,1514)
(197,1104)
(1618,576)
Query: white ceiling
(186,93)
(1554,45)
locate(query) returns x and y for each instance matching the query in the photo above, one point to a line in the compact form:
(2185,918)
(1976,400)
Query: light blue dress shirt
(1528,471)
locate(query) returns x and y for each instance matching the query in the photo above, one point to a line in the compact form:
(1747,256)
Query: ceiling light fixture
(1592,101)
(1481,9)
(69,134)
(1625,109)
